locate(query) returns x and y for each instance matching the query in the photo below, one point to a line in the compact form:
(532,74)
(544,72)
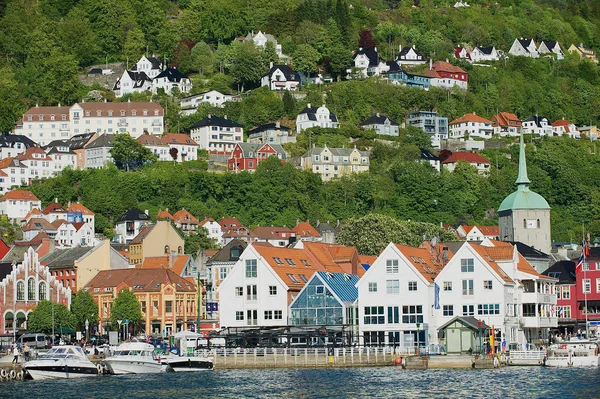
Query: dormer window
(98,113)
(133,113)
(155,112)
(41,117)
(145,112)
(51,117)
(29,118)
(87,113)
(122,113)
(64,117)
(109,113)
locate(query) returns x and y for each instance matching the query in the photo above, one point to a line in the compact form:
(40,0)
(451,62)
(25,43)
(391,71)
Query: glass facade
(316,305)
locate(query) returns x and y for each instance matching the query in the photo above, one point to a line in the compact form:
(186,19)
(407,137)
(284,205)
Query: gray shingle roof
(64,257)
(212,120)
(377,120)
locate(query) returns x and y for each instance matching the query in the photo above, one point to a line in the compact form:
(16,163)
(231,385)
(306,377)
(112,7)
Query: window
(251,268)
(467,266)
(251,292)
(391,266)
(392,286)
(487,284)
(272,290)
(598,285)
(154,308)
(278,315)
(489,309)
(20,291)
(468,310)
(448,310)
(566,292)
(393,314)
(222,273)
(293,278)
(374,315)
(268,315)
(167,250)
(290,262)
(447,285)
(303,278)
(239,315)
(412,285)
(319,290)
(372,287)
(587,286)
(252,316)
(566,312)
(412,314)
(239,291)
(467,287)
(31,289)
(168,307)
(42,291)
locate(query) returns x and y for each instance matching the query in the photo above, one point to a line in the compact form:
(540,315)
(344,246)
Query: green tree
(202,59)
(125,307)
(84,308)
(196,241)
(40,319)
(128,153)
(247,64)
(305,58)
(339,60)
(373,232)
(10,100)
(289,103)
(134,45)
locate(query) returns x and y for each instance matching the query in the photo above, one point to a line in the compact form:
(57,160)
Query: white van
(37,341)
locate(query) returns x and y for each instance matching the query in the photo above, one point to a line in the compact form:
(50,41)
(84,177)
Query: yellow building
(168,302)
(332,163)
(155,240)
(591,132)
(583,52)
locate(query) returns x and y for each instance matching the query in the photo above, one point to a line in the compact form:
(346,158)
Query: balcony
(122,123)
(156,124)
(539,322)
(534,297)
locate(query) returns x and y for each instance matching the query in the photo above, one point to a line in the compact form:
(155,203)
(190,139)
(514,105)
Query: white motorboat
(133,358)
(65,361)
(526,358)
(578,353)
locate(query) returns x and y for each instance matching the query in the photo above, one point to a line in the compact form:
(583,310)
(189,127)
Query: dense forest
(46,44)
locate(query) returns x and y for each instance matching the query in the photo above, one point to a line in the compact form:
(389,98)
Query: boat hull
(126,366)
(185,364)
(573,361)
(41,371)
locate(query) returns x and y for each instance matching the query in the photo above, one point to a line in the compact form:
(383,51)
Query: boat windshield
(64,352)
(127,352)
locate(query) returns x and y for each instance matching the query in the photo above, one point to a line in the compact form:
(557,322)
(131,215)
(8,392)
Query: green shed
(464,334)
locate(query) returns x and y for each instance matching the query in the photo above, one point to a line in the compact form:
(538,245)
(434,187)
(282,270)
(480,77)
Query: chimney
(375,48)
(105,100)
(430,63)
(360,49)
(129,100)
(56,199)
(36,105)
(208,116)
(167,209)
(224,116)
(377,114)
(146,211)
(277,125)
(307,105)
(447,60)
(399,48)
(270,64)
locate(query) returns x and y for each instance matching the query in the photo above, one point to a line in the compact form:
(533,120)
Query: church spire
(522,179)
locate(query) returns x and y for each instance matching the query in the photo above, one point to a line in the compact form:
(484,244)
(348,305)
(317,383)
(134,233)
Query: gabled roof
(172,74)
(336,256)
(470,157)
(10,140)
(324,227)
(405,50)
(563,270)
(549,44)
(288,72)
(421,260)
(528,251)
(468,321)
(227,223)
(250,150)
(77,207)
(28,154)
(266,127)
(371,54)
(133,214)
(536,119)
(442,66)
(79,141)
(175,263)
(144,231)
(562,122)
(504,119)
(485,230)
(163,215)
(486,50)
(178,138)
(61,258)
(524,43)
(34,212)
(21,195)
(11,162)
(489,259)
(311,112)
(59,222)
(212,120)
(393,66)
(38,224)
(184,216)
(150,140)
(271,233)
(304,229)
(470,118)
(140,280)
(378,119)
(428,155)
(53,207)
(104,140)
(224,254)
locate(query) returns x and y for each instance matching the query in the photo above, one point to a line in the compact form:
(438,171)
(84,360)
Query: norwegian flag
(580,263)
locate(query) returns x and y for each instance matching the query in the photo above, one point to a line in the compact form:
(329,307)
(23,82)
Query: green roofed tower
(524,214)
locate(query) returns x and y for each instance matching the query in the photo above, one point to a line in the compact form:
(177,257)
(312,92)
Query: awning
(62,330)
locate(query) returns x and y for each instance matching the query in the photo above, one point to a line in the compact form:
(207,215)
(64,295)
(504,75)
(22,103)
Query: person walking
(26,352)
(15,354)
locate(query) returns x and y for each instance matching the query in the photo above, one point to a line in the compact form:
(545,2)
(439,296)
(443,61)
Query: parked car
(108,72)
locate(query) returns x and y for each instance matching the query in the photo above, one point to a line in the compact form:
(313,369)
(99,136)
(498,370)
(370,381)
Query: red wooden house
(246,156)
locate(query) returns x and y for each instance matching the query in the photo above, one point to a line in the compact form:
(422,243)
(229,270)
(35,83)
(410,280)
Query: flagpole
(587,332)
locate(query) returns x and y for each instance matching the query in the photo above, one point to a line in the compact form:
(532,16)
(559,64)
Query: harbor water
(369,382)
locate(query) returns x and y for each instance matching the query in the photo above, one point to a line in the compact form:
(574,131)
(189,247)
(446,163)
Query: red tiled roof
(148,139)
(562,122)
(336,256)
(271,233)
(28,155)
(78,225)
(206,220)
(504,119)
(422,261)
(470,118)
(490,230)
(304,229)
(164,214)
(79,208)
(488,258)
(21,195)
(34,211)
(140,280)
(441,66)
(54,207)
(227,223)
(59,222)
(184,216)
(40,224)
(470,157)
(47,112)
(144,231)
(176,264)
(178,138)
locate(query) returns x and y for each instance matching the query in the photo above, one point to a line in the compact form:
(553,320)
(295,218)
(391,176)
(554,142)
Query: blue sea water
(375,382)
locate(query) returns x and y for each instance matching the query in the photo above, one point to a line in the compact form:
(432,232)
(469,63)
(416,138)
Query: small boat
(187,363)
(133,358)
(578,353)
(64,361)
(526,358)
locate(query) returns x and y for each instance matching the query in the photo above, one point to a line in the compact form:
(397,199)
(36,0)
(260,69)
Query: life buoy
(3,373)
(564,346)
(99,368)
(12,374)
(20,375)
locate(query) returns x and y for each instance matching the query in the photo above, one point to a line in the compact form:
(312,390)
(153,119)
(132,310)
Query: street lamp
(87,329)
